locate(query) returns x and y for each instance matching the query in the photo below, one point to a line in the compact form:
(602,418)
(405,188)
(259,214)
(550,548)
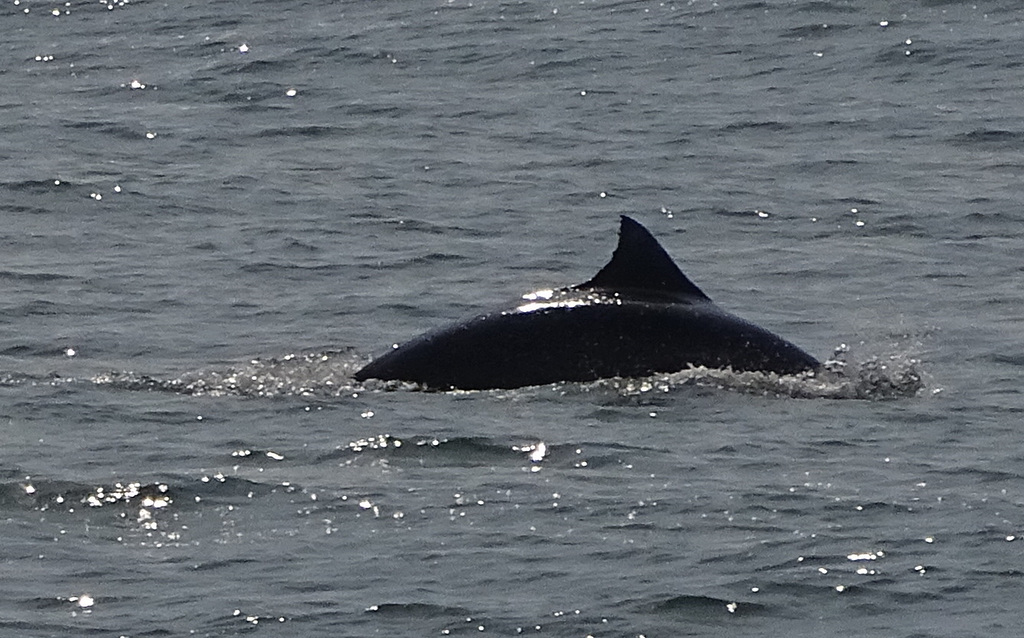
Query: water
(215,212)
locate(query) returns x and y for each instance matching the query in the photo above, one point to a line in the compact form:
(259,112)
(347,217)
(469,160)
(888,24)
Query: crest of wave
(312,374)
(877,377)
(328,374)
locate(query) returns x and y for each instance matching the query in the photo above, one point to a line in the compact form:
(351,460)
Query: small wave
(320,374)
(894,376)
(431,619)
(463,452)
(14,378)
(706,607)
(54,495)
(417,610)
(57,495)
(329,374)
(32,277)
(989,138)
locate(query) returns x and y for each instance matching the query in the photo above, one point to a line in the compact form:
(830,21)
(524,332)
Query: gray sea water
(213,212)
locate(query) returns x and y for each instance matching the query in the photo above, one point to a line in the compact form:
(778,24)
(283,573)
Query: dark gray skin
(638,316)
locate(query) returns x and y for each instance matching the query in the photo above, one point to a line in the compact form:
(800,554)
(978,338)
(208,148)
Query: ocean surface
(214,212)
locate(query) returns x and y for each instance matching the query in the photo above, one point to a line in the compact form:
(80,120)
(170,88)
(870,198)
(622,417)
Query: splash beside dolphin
(638,316)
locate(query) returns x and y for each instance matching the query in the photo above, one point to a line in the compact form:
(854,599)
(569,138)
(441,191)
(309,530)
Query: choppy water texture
(215,212)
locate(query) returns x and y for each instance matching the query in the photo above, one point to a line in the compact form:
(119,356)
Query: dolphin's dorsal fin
(640,263)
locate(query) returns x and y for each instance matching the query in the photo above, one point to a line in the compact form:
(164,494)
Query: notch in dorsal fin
(640,263)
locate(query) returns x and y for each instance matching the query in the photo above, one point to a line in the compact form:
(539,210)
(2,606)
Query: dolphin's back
(576,338)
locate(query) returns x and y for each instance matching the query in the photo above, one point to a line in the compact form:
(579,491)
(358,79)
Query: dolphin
(639,315)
